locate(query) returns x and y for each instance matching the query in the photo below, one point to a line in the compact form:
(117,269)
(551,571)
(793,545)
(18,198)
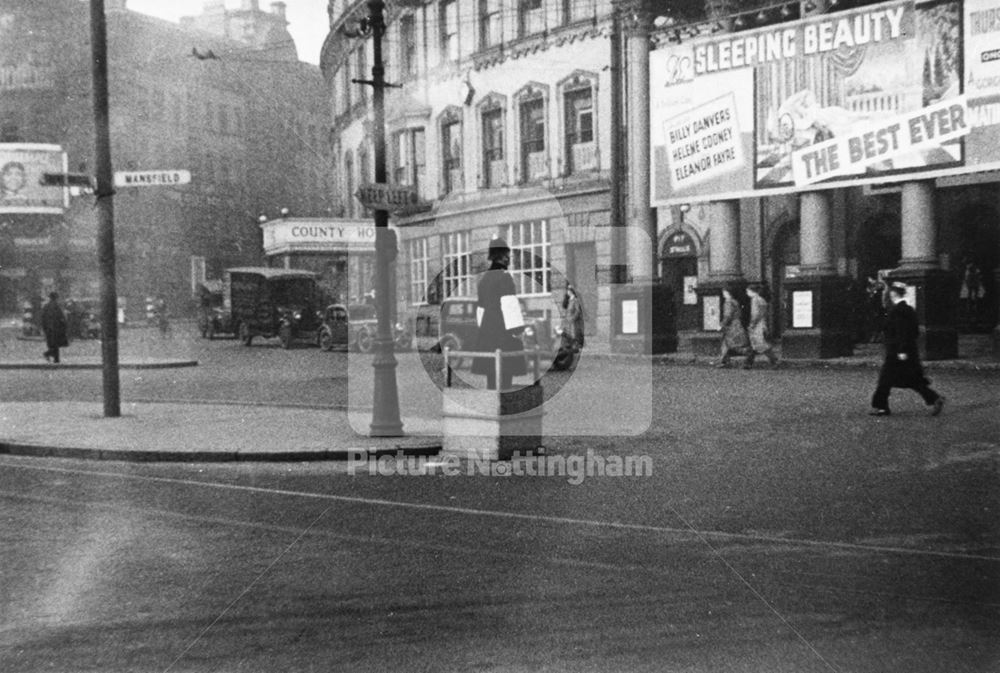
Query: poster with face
(21,169)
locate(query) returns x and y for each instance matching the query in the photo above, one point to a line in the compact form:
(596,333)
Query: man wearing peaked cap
(902,368)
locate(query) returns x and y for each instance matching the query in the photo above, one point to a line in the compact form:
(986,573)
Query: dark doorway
(680,274)
(785,253)
(879,246)
(978,256)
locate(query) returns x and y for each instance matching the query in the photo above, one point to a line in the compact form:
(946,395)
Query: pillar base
(936,298)
(492,425)
(818,321)
(642,319)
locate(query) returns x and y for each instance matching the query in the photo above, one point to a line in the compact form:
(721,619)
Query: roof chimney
(278,9)
(251,6)
(214,7)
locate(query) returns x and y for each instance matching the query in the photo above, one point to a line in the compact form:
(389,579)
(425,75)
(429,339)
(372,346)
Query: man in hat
(493,332)
(55,328)
(902,368)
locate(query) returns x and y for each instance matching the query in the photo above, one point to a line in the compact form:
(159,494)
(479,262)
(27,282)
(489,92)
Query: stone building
(222,95)
(503,125)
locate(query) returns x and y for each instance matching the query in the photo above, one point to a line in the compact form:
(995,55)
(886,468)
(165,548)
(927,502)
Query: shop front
(341,251)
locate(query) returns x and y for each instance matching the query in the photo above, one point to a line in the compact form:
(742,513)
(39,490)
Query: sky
(307,19)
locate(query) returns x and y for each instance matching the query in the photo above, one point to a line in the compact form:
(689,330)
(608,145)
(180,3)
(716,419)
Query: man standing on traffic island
(494,334)
(55,328)
(902,368)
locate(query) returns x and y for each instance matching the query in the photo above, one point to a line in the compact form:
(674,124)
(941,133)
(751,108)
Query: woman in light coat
(758,329)
(734,336)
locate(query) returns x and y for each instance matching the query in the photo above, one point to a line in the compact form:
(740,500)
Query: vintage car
(270,302)
(354,327)
(83,318)
(458,328)
(214,318)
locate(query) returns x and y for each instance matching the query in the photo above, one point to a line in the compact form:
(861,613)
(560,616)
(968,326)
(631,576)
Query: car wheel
(325,339)
(285,336)
(365,341)
(245,336)
(452,342)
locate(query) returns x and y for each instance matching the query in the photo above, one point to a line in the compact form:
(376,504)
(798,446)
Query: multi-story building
(503,124)
(222,95)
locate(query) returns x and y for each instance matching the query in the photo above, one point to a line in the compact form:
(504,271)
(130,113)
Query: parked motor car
(83,318)
(354,327)
(270,302)
(458,328)
(214,318)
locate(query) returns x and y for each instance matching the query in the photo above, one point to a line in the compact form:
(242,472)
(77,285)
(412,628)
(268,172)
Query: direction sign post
(384,196)
(151,178)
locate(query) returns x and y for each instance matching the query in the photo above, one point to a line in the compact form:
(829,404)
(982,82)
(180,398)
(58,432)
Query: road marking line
(499,514)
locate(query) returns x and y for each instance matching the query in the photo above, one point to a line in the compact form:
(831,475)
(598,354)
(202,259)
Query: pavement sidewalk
(196,433)
(208,432)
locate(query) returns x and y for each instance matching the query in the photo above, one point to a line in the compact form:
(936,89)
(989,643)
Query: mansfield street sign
(151,178)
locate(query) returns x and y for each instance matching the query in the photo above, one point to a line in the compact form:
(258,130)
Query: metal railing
(498,357)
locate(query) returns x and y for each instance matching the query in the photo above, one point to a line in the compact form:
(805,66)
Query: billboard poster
(886,92)
(982,80)
(21,168)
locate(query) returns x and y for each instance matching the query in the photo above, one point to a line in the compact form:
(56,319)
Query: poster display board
(802,309)
(711,319)
(886,92)
(22,166)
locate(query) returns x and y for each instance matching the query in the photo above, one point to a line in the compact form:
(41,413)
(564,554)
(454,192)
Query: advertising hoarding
(21,169)
(899,90)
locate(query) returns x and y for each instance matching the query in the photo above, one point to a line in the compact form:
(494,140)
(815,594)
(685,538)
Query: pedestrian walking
(734,335)
(902,367)
(55,328)
(494,332)
(571,337)
(573,319)
(757,328)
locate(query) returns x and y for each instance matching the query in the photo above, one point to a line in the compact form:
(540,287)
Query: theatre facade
(818,154)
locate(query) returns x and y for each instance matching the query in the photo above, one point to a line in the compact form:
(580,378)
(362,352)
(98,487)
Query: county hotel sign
(894,91)
(307,234)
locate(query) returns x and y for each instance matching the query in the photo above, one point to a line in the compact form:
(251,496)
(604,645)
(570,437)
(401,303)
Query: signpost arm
(385,398)
(105,212)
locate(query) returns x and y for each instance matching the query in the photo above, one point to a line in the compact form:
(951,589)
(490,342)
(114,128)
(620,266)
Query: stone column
(815,244)
(919,230)
(653,329)
(641,218)
(818,320)
(934,289)
(724,244)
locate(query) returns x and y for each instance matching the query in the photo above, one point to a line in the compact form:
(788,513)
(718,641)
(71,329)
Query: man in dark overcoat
(54,326)
(902,368)
(493,334)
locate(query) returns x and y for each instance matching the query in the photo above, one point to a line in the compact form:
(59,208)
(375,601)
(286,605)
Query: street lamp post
(105,212)
(385,395)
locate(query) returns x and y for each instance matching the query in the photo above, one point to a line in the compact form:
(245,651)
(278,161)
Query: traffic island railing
(484,424)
